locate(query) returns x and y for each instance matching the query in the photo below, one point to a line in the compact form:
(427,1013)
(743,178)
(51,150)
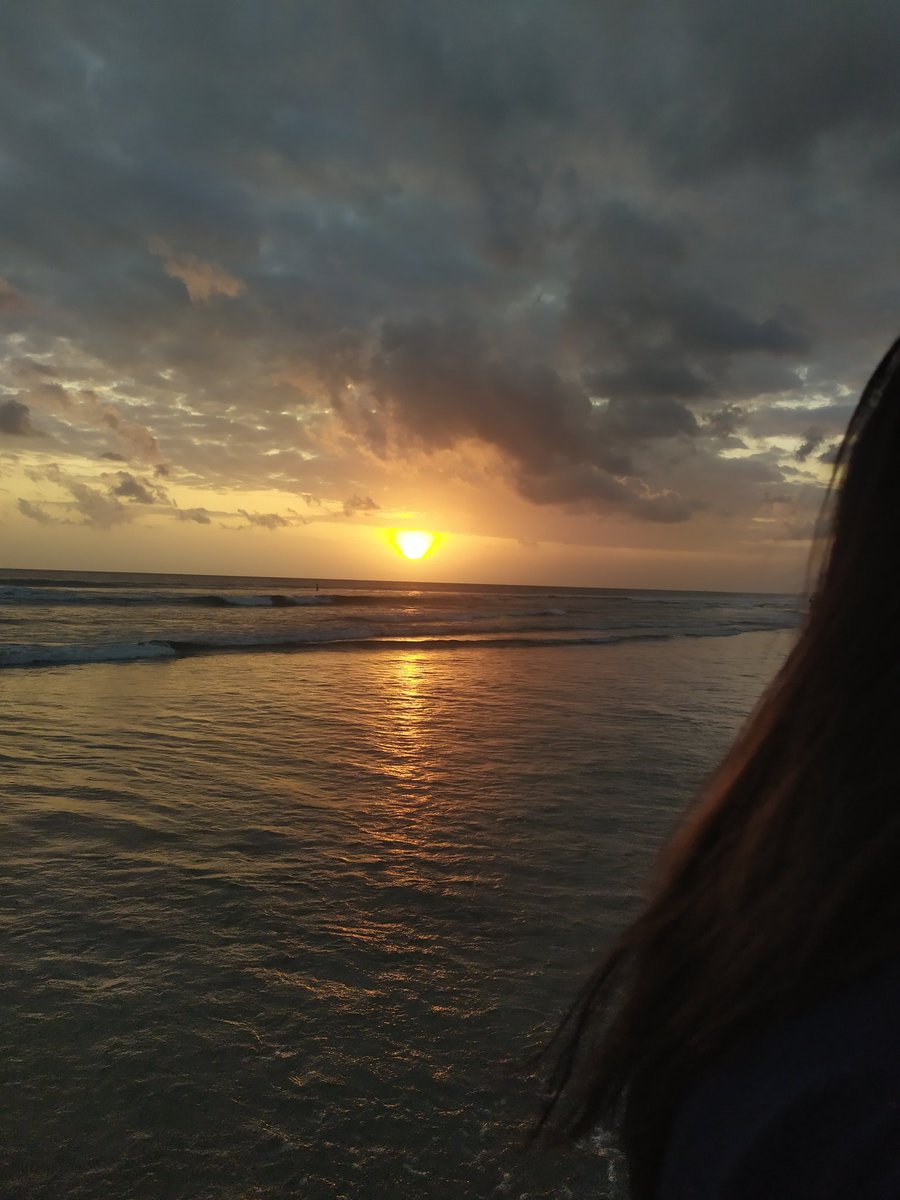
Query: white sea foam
(119,620)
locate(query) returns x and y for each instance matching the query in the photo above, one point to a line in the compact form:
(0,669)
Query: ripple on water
(279,928)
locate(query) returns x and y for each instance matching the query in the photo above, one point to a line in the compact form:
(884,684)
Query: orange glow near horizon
(413,543)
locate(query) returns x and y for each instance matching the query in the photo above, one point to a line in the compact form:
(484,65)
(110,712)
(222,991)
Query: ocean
(296,874)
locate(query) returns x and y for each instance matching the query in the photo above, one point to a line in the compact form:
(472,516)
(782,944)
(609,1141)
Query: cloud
(725,421)
(137,491)
(441,385)
(203,280)
(95,507)
(841,83)
(35,512)
(10,299)
(198,515)
(812,440)
(442,382)
(141,443)
(659,338)
(15,419)
(40,384)
(265,520)
(357,504)
(586,488)
(664,246)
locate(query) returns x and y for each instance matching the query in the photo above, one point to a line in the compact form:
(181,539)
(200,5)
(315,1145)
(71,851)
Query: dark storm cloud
(585,487)
(442,385)
(775,81)
(663,340)
(656,379)
(658,219)
(794,421)
(725,421)
(15,419)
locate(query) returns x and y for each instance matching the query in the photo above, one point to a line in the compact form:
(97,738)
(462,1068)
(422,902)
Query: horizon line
(424,585)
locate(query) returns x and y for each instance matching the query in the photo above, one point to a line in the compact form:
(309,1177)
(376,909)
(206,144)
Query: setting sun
(413,543)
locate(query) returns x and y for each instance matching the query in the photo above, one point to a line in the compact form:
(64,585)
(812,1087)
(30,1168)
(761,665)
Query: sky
(588,289)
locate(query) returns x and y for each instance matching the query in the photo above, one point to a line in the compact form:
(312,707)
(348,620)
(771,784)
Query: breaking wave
(61,656)
(19,593)
(113,652)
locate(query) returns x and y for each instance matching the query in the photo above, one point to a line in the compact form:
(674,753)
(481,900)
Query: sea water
(294,881)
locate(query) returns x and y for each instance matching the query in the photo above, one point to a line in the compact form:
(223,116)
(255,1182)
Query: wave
(273,600)
(59,596)
(116,652)
(288,600)
(61,656)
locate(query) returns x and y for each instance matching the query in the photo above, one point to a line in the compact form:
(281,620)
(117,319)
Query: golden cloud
(203,280)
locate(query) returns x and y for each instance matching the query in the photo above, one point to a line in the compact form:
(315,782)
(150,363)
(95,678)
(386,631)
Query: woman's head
(784,880)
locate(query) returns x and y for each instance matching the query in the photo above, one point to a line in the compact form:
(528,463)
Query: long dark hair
(784,880)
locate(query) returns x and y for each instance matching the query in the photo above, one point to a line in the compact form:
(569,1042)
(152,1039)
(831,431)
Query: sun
(413,543)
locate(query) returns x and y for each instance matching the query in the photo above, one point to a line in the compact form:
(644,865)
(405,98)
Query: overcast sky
(587,287)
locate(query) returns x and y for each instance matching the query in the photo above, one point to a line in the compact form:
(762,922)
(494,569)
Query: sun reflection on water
(406,734)
(407,828)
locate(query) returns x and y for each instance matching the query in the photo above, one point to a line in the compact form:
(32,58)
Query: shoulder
(809,1110)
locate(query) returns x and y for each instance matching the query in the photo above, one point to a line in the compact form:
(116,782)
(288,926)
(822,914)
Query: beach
(424,429)
(285,918)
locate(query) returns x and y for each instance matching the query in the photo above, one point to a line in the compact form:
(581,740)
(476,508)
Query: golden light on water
(413,543)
